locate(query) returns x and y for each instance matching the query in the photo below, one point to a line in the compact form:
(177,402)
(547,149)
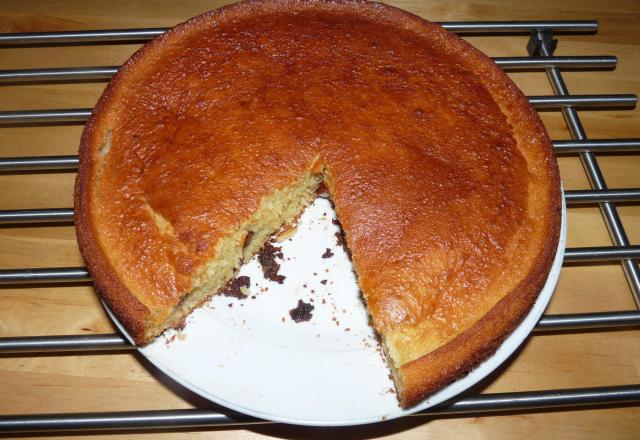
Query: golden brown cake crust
(121,301)
(449,196)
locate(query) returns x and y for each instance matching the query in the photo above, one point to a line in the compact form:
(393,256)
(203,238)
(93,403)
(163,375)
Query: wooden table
(124,381)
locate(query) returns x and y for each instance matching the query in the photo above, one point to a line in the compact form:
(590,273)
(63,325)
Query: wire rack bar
(44,275)
(144,34)
(111,342)
(597,146)
(80,274)
(82,114)
(575,197)
(41,163)
(90,36)
(49,215)
(185,418)
(588,321)
(621,100)
(601,253)
(591,166)
(106,72)
(565,62)
(44,116)
(57,74)
(38,344)
(36,215)
(71,162)
(472,27)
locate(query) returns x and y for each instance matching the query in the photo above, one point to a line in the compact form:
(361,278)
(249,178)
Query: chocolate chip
(270,267)
(233,288)
(302,312)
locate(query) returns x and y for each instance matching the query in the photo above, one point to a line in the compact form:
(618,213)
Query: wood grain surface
(124,381)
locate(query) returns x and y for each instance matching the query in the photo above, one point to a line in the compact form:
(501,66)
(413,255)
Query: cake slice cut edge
(280,207)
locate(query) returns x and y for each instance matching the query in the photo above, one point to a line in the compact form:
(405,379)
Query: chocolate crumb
(324,301)
(302,312)
(323,282)
(270,267)
(340,241)
(327,253)
(347,329)
(321,191)
(230,305)
(283,319)
(234,287)
(247,238)
(181,325)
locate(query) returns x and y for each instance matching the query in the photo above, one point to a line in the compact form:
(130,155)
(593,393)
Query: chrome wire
(541,102)
(106,72)
(572,197)
(80,274)
(42,163)
(144,34)
(110,342)
(592,168)
(561,147)
(596,146)
(185,418)
(48,215)
(44,275)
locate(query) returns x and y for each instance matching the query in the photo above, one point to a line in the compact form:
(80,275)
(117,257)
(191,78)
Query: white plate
(248,355)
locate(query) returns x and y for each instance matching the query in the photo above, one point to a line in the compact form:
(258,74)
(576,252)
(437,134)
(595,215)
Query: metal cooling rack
(541,47)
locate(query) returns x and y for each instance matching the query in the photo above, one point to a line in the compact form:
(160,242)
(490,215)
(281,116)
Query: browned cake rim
(421,376)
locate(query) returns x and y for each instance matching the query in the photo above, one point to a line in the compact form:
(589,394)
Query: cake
(218,132)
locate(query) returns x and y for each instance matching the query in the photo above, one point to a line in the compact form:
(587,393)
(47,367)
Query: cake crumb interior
(279,208)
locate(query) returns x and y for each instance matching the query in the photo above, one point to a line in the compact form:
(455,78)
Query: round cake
(219,132)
